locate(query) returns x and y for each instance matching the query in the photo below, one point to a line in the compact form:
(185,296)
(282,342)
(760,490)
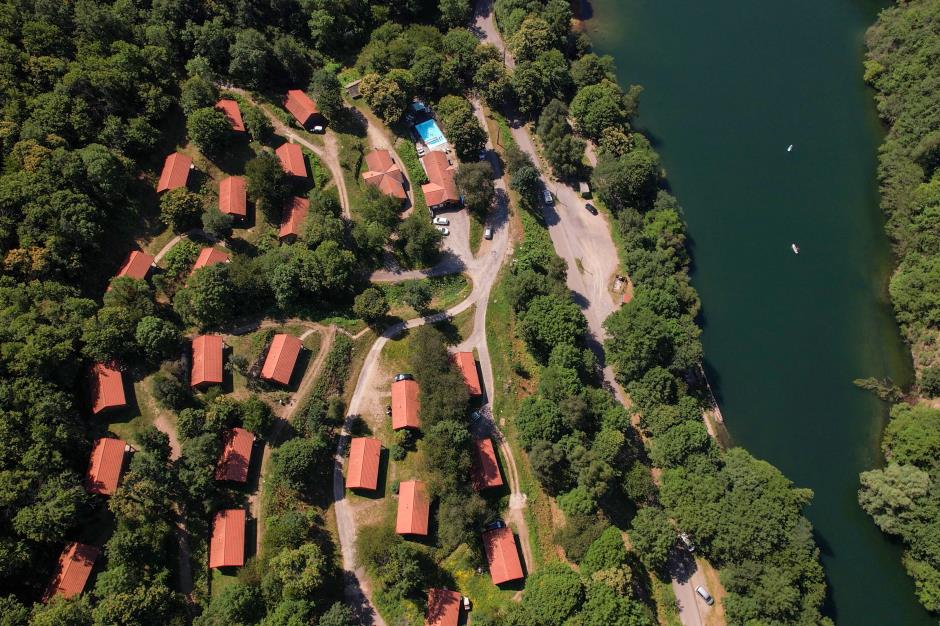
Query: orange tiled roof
(405,405)
(384,174)
(299,104)
(293,217)
(227,546)
(233,196)
(468,367)
(107,388)
(233,113)
(207,361)
(292,159)
(175,172)
(485,467)
(71,576)
(236,455)
(363,469)
(441,187)
(443,608)
(104,466)
(210,256)
(502,555)
(414,508)
(136,266)
(282,357)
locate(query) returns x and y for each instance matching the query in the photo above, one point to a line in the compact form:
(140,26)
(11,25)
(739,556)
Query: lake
(728,87)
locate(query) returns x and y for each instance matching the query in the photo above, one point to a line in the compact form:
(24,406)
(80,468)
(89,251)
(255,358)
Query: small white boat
(796,248)
(790,148)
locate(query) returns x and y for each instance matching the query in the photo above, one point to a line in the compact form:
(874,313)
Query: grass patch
(488,599)
(409,156)
(138,416)
(476,232)
(156,244)
(221,580)
(446,292)
(666,612)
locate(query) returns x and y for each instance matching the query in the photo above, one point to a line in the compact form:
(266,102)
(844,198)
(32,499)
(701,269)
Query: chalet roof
(136,266)
(207,361)
(363,469)
(281,359)
(443,608)
(233,196)
(405,404)
(175,172)
(485,467)
(414,507)
(227,546)
(441,187)
(73,571)
(292,159)
(233,113)
(468,367)
(210,256)
(293,217)
(300,105)
(384,174)
(104,466)
(502,555)
(107,388)
(236,455)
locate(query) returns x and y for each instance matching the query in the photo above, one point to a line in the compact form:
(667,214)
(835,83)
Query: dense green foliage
(901,66)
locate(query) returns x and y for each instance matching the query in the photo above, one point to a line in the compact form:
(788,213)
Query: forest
(901,66)
(95,94)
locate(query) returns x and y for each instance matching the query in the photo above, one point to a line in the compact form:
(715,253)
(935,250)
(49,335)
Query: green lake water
(728,86)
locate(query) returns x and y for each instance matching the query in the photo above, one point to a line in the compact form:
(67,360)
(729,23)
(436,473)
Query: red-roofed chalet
(73,571)
(282,357)
(106,388)
(384,174)
(440,190)
(293,217)
(485,467)
(207,361)
(210,256)
(105,465)
(502,555)
(227,546)
(414,508)
(175,172)
(443,608)
(363,469)
(236,455)
(468,367)
(302,107)
(292,159)
(232,113)
(405,405)
(137,266)
(233,196)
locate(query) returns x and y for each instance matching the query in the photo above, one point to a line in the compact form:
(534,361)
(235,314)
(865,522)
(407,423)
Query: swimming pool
(431,135)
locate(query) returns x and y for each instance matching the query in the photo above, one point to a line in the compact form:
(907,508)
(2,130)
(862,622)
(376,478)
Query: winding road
(482,270)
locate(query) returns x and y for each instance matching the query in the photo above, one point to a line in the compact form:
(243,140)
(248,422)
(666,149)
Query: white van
(709,600)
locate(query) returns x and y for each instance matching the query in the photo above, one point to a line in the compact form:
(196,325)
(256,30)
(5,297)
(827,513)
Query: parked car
(703,592)
(547,196)
(686,542)
(591,208)
(388,409)
(443,230)
(441,221)
(318,129)
(420,150)
(496,523)
(488,232)
(404,377)
(466,603)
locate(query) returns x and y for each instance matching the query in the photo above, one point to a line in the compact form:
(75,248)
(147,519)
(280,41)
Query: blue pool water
(431,134)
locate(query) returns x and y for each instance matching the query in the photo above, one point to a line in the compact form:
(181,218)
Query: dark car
(404,377)
(591,208)
(496,523)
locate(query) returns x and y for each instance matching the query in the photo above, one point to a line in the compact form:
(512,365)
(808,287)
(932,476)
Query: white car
(441,221)
(443,230)
(547,196)
(420,151)
(488,232)
(703,593)
(318,129)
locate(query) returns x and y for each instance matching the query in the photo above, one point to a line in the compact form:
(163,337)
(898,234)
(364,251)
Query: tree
(327,93)
(417,295)
(297,573)
(419,239)
(539,420)
(268,185)
(607,552)
(533,38)
(592,69)
(454,13)
(913,436)
(384,96)
(371,305)
(492,82)
(462,127)
(209,129)
(258,124)
(252,59)
(157,338)
(209,298)
(338,615)
(552,594)
(604,606)
(55,507)
(578,501)
(180,209)
(475,182)
(238,603)
(627,181)
(550,465)
(197,92)
(600,106)
(652,536)
(896,498)
(550,321)
(300,461)
(168,391)
(426,68)
(216,223)
(256,415)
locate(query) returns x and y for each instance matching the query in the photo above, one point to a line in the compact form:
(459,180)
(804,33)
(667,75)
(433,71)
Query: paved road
(585,242)
(483,270)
